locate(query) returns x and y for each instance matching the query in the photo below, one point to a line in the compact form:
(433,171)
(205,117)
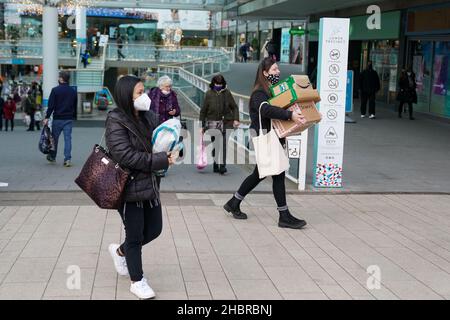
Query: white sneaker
(119,262)
(363,116)
(142,290)
(372,116)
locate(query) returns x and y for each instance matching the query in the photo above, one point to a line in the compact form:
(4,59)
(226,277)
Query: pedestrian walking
(9,111)
(2,104)
(370,85)
(30,110)
(62,104)
(129,130)
(219,114)
(268,74)
(119,48)
(407,92)
(271,48)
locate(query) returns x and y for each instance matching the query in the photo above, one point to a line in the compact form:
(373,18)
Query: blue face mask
(218,88)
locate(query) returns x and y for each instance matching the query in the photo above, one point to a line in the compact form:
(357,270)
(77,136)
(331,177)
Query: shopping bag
(270,155)
(46,141)
(38,116)
(166,137)
(202,160)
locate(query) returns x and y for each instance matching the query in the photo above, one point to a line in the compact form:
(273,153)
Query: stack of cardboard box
(295,94)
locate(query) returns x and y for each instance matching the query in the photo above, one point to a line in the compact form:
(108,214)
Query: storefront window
(421,64)
(384,56)
(440,98)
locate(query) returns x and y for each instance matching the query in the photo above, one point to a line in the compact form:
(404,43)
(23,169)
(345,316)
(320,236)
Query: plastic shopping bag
(202,160)
(46,141)
(166,138)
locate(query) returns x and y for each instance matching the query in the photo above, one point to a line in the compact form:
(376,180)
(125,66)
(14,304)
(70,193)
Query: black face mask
(273,78)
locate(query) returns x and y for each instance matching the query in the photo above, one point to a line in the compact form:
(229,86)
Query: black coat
(406,92)
(267,111)
(125,141)
(369,81)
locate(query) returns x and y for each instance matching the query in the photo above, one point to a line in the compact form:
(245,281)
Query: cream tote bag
(270,155)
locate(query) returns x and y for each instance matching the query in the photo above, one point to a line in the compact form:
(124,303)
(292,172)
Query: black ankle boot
(215,167)
(287,220)
(233,207)
(222,169)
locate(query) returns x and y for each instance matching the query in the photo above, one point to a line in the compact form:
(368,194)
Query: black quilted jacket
(125,141)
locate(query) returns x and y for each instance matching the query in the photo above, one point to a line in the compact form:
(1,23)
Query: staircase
(90,79)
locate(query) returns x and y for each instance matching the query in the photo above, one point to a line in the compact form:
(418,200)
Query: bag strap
(260,121)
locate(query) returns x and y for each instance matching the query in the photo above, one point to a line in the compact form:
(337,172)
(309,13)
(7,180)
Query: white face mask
(142,103)
(165,92)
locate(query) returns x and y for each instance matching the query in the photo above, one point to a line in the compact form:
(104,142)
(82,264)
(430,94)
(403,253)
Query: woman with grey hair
(164,100)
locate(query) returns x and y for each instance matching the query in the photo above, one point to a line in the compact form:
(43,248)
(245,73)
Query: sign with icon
(332,85)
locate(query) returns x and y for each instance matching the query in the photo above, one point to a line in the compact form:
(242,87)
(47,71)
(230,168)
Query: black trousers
(1,122)
(410,108)
(120,54)
(142,225)
(278,186)
(33,123)
(12,124)
(367,97)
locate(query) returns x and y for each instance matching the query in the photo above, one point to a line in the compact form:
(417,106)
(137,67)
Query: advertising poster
(285,45)
(332,85)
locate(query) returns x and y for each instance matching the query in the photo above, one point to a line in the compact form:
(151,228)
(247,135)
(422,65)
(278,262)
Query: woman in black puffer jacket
(129,130)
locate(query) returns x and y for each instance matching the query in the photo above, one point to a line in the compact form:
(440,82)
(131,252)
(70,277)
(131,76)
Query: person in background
(219,112)
(2,104)
(370,85)
(268,74)
(85,58)
(119,48)
(407,92)
(30,110)
(164,100)
(62,104)
(9,111)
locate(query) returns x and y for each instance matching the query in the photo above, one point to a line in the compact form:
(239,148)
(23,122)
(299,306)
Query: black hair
(65,76)
(123,94)
(219,79)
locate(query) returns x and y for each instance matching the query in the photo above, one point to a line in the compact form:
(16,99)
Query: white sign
(103,40)
(332,80)
(294,148)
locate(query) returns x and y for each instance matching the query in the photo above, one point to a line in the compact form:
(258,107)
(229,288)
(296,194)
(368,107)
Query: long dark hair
(261,81)
(123,95)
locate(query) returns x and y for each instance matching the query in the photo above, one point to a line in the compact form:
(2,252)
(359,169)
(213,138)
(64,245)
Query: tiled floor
(205,254)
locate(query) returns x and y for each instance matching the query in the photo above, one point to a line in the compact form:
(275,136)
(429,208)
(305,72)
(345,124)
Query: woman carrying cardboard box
(268,74)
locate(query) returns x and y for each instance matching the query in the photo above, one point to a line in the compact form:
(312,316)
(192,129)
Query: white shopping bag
(270,155)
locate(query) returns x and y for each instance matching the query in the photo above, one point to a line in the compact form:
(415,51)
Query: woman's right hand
(171,156)
(298,118)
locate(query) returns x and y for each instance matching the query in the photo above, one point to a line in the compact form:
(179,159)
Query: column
(49,51)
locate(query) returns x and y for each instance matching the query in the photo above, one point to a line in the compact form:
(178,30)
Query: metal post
(50,51)
(80,20)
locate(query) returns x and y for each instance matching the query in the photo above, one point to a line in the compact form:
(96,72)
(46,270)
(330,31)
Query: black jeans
(142,225)
(120,54)
(367,97)
(278,186)
(12,124)
(33,123)
(400,108)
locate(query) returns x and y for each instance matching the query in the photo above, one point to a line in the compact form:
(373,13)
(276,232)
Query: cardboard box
(288,83)
(290,128)
(295,88)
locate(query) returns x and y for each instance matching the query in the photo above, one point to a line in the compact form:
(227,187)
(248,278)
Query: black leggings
(400,108)
(278,187)
(142,225)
